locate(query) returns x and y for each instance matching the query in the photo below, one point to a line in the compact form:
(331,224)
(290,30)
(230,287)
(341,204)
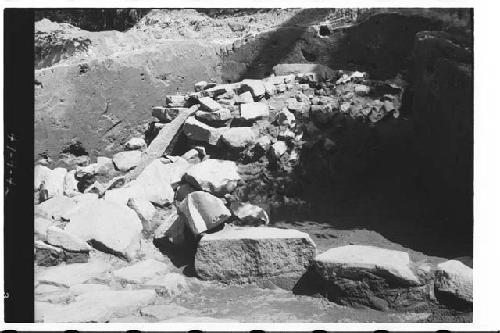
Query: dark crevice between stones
(324,31)
(75,148)
(452,301)
(103,248)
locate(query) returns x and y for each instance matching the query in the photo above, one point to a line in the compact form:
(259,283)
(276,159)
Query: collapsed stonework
(199,203)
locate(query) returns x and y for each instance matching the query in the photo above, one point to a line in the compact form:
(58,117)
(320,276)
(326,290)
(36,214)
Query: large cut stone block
(254,254)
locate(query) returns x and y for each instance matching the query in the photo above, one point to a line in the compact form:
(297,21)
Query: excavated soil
(97,89)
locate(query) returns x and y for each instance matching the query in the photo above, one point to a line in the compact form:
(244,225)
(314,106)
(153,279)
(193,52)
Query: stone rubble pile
(178,199)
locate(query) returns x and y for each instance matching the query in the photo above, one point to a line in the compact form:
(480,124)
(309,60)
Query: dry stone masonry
(190,188)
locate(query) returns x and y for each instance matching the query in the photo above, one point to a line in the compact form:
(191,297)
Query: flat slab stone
(208,104)
(142,271)
(164,114)
(198,131)
(66,240)
(68,275)
(99,306)
(378,260)
(246,254)
(254,111)
(372,277)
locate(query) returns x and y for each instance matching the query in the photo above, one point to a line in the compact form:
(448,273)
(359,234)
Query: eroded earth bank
(305,165)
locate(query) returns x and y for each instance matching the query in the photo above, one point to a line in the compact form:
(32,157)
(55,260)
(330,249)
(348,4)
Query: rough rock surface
(215,176)
(198,131)
(141,271)
(127,160)
(454,279)
(367,276)
(114,226)
(238,137)
(254,111)
(248,214)
(68,275)
(99,306)
(57,208)
(64,239)
(203,211)
(242,254)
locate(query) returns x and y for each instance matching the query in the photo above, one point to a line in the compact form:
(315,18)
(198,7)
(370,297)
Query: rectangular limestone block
(253,254)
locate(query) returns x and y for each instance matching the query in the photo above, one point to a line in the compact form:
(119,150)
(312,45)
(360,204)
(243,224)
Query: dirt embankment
(99,87)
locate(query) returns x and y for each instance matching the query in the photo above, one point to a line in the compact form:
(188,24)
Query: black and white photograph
(251,165)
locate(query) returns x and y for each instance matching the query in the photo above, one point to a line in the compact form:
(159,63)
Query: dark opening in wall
(324,31)
(75,148)
(309,56)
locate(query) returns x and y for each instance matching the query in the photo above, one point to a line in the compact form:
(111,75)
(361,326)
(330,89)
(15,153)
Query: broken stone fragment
(219,90)
(112,227)
(57,208)
(203,211)
(41,175)
(141,271)
(248,214)
(285,118)
(135,144)
(454,279)
(64,239)
(361,89)
(201,85)
(215,176)
(104,165)
(246,254)
(286,134)
(238,137)
(245,97)
(154,182)
(86,171)
(208,104)
(278,149)
(144,209)
(165,115)
(198,131)
(254,111)
(256,87)
(127,160)
(172,228)
(70,185)
(270,88)
(214,116)
(51,181)
(175,101)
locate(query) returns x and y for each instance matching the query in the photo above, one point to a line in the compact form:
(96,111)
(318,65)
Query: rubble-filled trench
(319,170)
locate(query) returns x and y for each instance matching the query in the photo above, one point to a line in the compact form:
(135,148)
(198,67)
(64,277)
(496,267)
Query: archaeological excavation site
(309,165)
